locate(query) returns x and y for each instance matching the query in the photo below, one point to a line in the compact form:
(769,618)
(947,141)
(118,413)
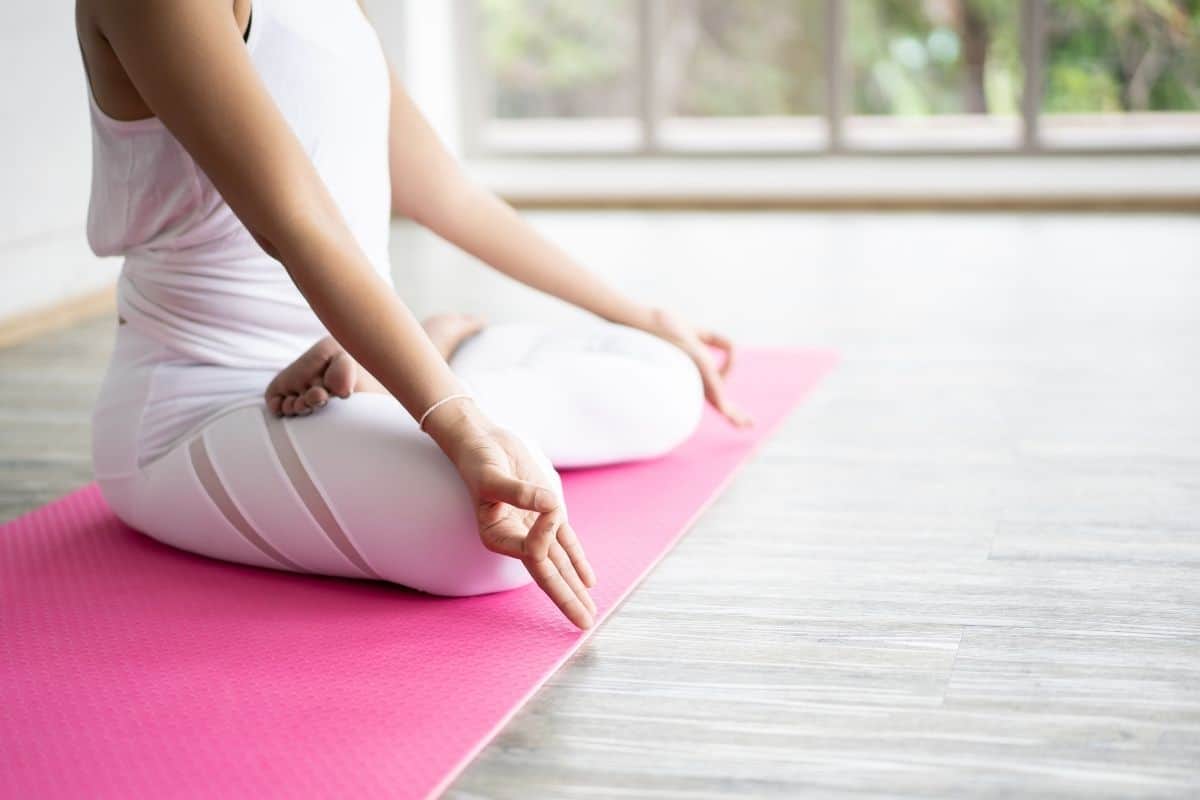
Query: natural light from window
(857,76)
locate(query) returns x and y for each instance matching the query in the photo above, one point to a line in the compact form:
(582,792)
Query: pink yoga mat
(129,669)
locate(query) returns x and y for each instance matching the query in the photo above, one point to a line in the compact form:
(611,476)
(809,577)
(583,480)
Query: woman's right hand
(518,514)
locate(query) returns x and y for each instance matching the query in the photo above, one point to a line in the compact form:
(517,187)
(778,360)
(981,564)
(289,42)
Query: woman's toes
(306,384)
(291,405)
(315,397)
(340,375)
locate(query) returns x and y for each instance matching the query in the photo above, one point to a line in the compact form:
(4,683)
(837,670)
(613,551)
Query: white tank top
(194,279)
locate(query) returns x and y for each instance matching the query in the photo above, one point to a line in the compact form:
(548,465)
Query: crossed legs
(347,485)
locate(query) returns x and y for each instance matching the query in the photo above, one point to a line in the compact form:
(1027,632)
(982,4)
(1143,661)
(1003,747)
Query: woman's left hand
(696,343)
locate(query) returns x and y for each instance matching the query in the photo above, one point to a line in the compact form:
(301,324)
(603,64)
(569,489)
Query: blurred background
(853,75)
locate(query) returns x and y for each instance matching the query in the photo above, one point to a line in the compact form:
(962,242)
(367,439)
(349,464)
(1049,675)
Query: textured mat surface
(130,669)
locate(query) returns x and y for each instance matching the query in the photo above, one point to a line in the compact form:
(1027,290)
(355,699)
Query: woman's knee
(466,572)
(402,502)
(593,393)
(668,392)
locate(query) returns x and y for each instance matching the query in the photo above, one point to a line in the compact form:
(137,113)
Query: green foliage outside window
(1123,55)
(905,57)
(560,58)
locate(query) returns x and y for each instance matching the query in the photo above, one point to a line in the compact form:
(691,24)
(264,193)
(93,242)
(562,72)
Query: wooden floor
(968,566)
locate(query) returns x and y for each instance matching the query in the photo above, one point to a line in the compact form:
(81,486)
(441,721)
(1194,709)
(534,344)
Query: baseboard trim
(23,327)
(1141,184)
(568,201)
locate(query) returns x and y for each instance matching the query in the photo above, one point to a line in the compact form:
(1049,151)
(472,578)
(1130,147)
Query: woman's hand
(519,515)
(696,343)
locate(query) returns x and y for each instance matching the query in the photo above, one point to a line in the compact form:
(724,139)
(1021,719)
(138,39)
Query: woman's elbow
(265,244)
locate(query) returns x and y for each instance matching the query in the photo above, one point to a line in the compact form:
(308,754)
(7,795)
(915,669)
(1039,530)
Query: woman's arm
(429,187)
(187,61)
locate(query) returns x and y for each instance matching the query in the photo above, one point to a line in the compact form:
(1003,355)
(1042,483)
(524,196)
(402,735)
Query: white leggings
(355,489)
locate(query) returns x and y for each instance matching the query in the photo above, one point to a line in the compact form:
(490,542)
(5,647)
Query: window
(934,74)
(739,75)
(795,76)
(560,72)
(1121,70)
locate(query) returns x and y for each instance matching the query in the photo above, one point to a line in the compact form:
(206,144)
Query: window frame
(1030,141)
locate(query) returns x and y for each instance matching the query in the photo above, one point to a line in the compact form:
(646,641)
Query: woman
(250,410)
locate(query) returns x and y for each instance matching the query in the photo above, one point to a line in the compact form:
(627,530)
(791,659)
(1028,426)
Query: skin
(185,62)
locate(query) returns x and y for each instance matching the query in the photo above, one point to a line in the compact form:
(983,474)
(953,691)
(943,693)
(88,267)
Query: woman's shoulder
(98,21)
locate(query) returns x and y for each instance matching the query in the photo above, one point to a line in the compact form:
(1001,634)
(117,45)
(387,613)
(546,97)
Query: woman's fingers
(556,575)
(503,488)
(541,536)
(503,534)
(697,343)
(553,568)
(714,391)
(547,576)
(523,519)
(567,570)
(574,550)
(723,344)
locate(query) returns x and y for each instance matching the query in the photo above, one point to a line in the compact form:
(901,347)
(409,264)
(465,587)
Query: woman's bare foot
(448,331)
(326,370)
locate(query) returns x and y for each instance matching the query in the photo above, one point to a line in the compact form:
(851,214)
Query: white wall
(45,144)
(420,39)
(45,161)
(424,47)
